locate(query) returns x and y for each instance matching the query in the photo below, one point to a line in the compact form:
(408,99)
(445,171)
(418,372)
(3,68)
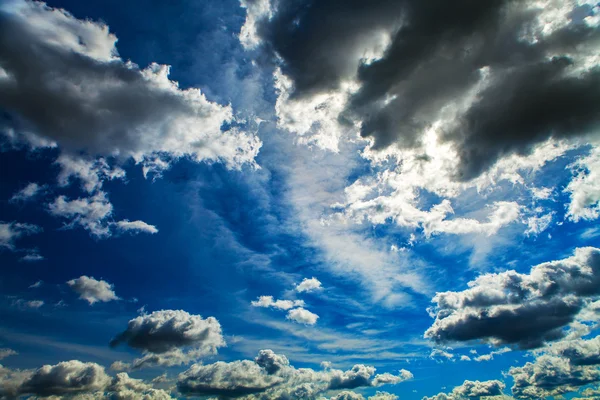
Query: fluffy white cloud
(308,285)
(11,231)
(74,91)
(88,212)
(65,378)
(267,301)
(171,337)
(93,290)
(472,390)
(302,316)
(91,173)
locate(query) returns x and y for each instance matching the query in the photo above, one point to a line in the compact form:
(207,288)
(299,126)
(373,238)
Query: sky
(299,199)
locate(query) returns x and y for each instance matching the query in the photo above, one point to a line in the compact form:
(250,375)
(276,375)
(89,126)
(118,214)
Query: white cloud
(11,231)
(135,227)
(267,301)
(302,316)
(28,304)
(88,212)
(32,257)
(36,285)
(93,290)
(538,224)
(308,285)
(27,193)
(584,188)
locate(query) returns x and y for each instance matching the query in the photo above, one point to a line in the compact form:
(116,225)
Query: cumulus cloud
(525,310)
(75,379)
(472,390)
(63,80)
(27,193)
(271,376)
(234,379)
(65,378)
(90,173)
(497,76)
(302,316)
(171,337)
(267,301)
(11,231)
(584,188)
(550,376)
(490,356)
(308,285)
(93,290)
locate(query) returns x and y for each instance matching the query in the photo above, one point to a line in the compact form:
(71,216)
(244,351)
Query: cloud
(64,378)
(347,395)
(11,231)
(93,290)
(135,227)
(89,212)
(497,76)
(91,173)
(32,257)
(63,80)
(525,310)
(490,356)
(271,376)
(75,379)
(171,337)
(4,352)
(28,304)
(302,316)
(270,361)
(472,390)
(550,376)
(584,189)
(27,193)
(267,301)
(308,285)
(234,379)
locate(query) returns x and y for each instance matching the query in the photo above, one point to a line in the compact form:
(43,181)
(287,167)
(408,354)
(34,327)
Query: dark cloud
(520,309)
(165,330)
(537,83)
(270,361)
(67,377)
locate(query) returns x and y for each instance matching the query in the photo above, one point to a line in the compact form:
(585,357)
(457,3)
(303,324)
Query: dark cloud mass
(520,309)
(166,330)
(536,85)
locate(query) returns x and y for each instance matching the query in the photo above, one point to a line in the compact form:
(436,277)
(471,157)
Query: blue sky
(159,206)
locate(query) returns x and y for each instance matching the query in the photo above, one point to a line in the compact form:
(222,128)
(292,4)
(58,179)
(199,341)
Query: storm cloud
(501,75)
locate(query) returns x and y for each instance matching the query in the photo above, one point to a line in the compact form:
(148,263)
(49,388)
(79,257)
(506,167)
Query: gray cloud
(63,82)
(535,78)
(271,376)
(234,379)
(171,337)
(520,309)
